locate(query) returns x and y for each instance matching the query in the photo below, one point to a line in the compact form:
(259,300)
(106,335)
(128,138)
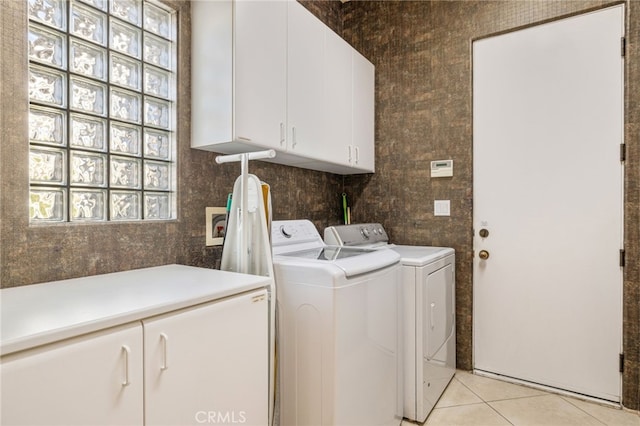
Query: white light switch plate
(442,208)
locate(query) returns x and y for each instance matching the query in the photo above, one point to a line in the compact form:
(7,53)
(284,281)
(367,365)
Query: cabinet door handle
(294,140)
(281,134)
(433,316)
(126,351)
(357,155)
(164,339)
(350,156)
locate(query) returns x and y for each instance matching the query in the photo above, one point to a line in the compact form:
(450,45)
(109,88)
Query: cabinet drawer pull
(165,339)
(126,352)
(281,134)
(294,140)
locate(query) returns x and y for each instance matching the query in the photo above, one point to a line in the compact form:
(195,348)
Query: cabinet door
(211,74)
(338,100)
(363,113)
(89,380)
(305,82)
(260,67)
(208,364)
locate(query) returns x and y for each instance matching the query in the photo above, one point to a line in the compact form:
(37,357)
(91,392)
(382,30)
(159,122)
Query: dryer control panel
(356,235)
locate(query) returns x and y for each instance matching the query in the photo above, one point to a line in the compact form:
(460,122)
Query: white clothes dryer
(338,331)
(428,312)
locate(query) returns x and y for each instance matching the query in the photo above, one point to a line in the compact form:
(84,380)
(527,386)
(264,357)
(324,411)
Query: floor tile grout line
(519,397)
(543,393)
(483,401)
(568,400)
(550,390)
(488,403)
(470,390)
(499,413)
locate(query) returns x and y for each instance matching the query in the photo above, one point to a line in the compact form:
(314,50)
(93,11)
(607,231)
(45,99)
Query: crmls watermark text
(221,417)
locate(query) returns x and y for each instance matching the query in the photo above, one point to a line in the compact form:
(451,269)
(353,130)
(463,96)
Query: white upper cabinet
(238,75)
(211,73)
(363,111)
(338,97)
(305,90)
(269,74)
(261,72)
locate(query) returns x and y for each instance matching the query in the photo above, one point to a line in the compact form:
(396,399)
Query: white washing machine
(428,312)
(339,330)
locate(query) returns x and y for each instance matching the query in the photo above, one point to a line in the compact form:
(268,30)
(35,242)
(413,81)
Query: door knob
(484,255)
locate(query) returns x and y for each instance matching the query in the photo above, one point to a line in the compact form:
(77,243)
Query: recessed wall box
(441,168)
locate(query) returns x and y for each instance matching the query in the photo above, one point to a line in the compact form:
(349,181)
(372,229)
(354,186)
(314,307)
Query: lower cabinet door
(208,364)
(95,379)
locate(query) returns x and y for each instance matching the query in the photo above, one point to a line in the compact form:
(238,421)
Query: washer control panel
(289,232)
(355,234)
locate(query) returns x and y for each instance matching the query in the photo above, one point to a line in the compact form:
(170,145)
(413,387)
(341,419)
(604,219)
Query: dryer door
(438,303)
(436,352)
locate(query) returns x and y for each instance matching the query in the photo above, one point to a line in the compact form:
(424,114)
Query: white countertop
(38,314)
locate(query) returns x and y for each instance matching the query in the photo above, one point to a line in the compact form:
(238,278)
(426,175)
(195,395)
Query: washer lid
(351,260)
(329,253)
(420,255)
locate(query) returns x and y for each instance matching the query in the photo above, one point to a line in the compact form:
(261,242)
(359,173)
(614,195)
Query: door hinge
(623,152)
(622,258)
(623,46)
(622,363)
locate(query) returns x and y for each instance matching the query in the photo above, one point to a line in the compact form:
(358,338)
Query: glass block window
(101,110)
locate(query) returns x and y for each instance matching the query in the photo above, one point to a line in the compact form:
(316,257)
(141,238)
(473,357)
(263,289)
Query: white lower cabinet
(206,364)
(95,379)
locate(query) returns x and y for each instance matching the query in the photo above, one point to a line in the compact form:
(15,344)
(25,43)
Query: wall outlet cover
(442,208)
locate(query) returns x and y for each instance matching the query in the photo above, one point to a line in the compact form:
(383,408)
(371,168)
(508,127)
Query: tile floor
(477,400)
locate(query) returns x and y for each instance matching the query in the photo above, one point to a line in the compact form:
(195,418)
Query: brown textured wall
(631,290)
(422,54)
(328,11)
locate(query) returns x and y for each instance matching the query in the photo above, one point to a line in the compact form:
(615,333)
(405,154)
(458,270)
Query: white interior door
(548,123)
